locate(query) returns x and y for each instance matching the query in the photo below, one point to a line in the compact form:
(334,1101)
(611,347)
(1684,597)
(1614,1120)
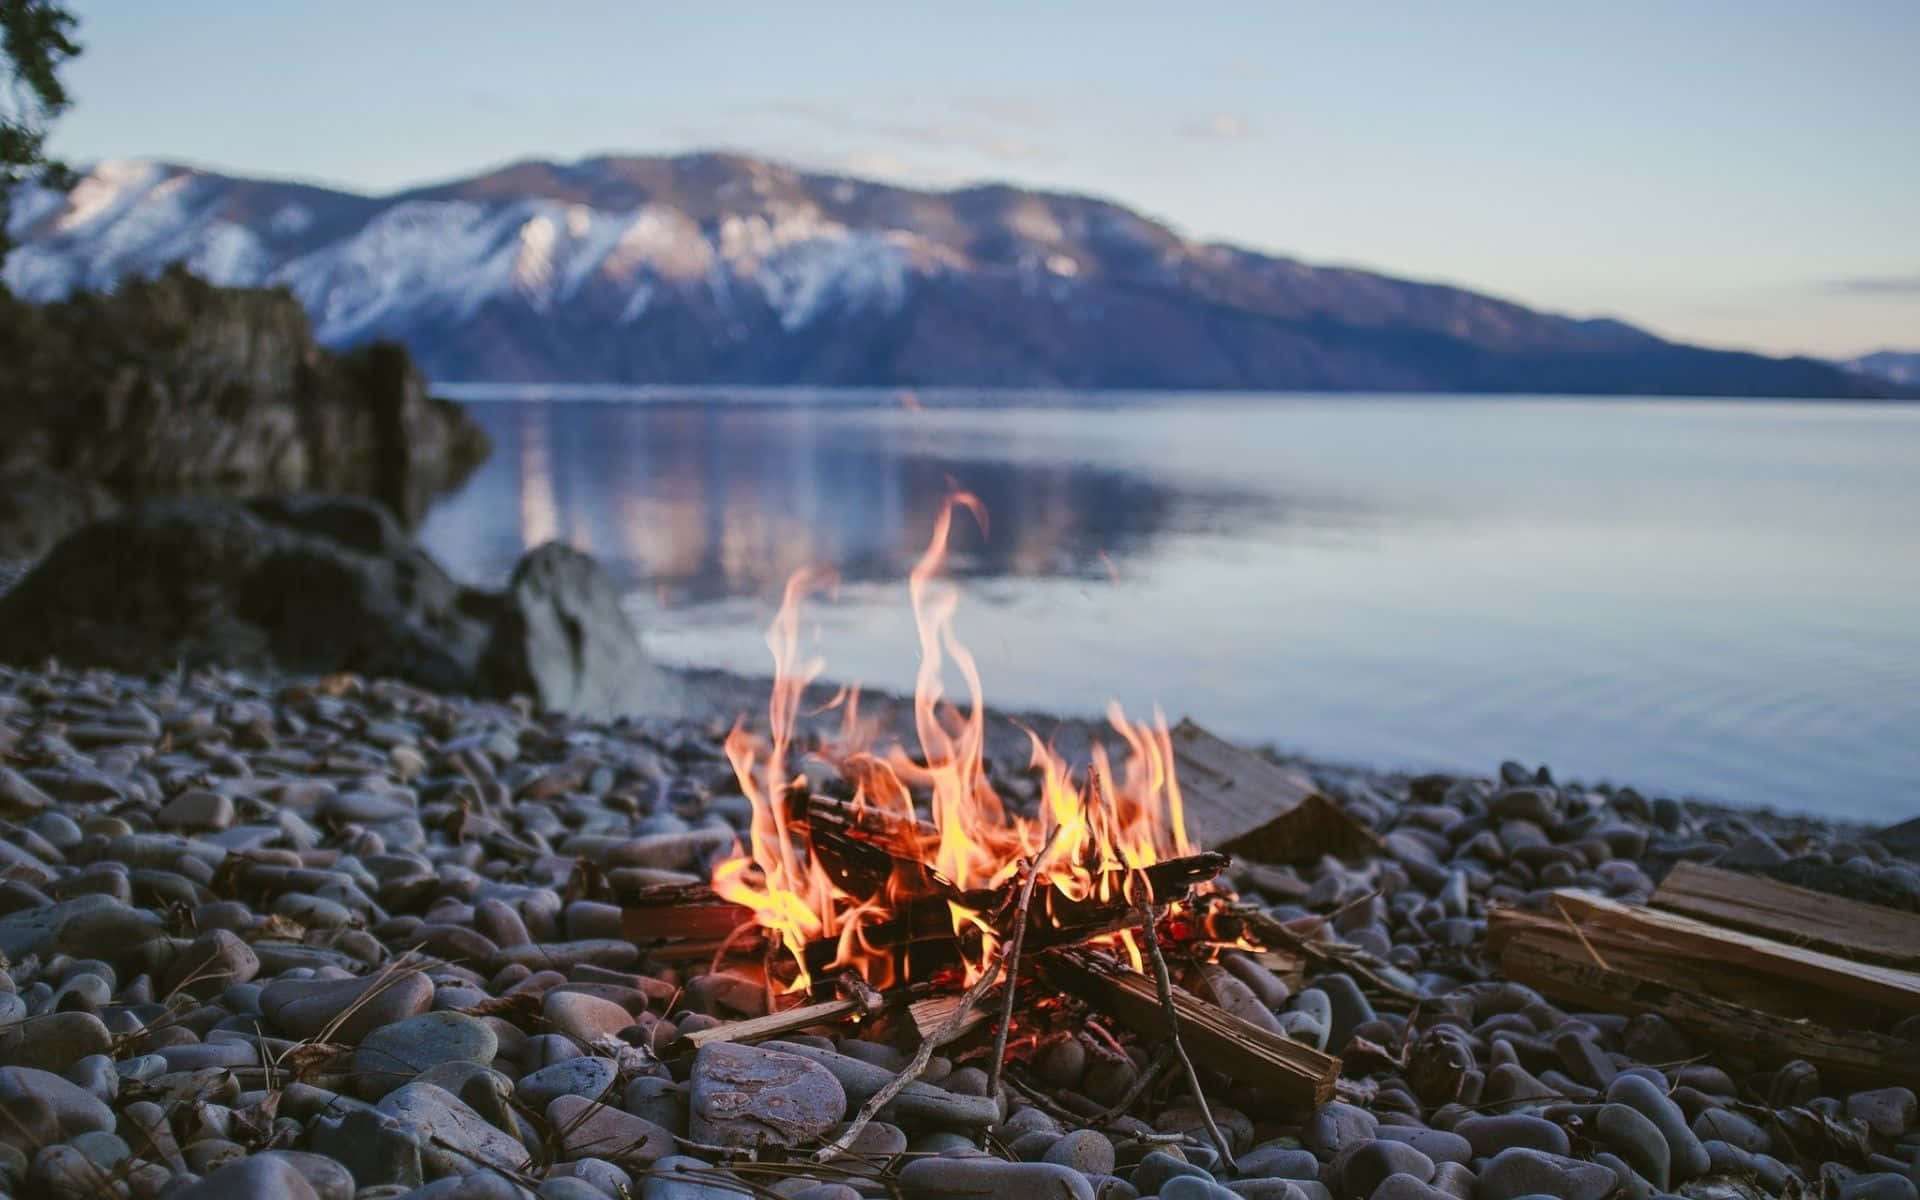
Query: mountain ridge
(722,268)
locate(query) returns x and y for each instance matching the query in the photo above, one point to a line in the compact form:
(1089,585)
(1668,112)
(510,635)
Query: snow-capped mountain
(1895,366)
(718,268)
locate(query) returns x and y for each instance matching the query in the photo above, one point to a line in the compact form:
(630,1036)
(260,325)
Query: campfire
(875,877)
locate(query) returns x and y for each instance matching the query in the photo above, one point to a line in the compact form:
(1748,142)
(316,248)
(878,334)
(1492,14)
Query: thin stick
(921,1057)
(1162,1055)
(1013,970)
(1574,926)
(1163,981)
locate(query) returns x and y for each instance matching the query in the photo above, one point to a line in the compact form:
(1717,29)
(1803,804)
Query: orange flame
(1107,825)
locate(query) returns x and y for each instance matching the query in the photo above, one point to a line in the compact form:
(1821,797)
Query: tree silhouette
(36,40)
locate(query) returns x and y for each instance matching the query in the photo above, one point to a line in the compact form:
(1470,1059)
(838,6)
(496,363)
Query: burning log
(1848,928)
(920,938)
(1294,1074)
(687,912)
(1231,798)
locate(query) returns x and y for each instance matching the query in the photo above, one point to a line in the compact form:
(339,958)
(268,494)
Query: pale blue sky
(1740,173)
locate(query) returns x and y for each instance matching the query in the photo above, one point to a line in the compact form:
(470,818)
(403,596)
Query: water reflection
(699,503)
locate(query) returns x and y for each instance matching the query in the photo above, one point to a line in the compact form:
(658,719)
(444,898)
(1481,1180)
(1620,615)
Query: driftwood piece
(1239,803)
(765,1028)
(1862,1055)
(1754,971)
(1796,915)
(1292,1073)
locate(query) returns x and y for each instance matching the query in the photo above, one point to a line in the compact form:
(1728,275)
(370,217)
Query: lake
(1708,598)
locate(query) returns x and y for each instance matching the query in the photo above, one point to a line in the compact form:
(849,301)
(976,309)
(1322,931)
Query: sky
(1742,173)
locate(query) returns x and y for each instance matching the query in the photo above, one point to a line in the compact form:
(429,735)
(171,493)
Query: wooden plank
(767,1027)
(1796,915)
(1854,1054)
(1710,950)
(1242,804)
(1292,1073)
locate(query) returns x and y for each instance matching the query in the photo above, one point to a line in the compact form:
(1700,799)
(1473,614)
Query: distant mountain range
(714,268)
(1894,366)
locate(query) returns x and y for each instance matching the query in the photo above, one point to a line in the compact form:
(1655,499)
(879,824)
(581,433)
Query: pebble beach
(338,937)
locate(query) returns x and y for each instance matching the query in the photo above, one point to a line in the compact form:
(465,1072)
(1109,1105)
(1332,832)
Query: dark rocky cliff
(173,385)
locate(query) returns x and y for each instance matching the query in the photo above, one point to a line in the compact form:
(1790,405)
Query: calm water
(1708,598)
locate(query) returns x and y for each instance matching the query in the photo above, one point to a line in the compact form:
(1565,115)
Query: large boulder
(285,585)
(304,584)
(563,638)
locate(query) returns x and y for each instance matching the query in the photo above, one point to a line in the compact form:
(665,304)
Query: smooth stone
(1715,1124)
(210,964)
(258,1177)
(375,1148)
(584,1018)
(661,1101)
(1518,1172)
(683,1177)
(41,1108)
(1367,1166)
(1157,1167)
(454,1139)
(1887,1111)
(1194,1187)
(1881,1185)
(1335,1127)
(393,1054)
(1407,1187)
(918,1104)
(591,1130)
(1350,1006)
(304,1008)
(755,1096)
(992,1179)
(328,1179)
(1280,1162)
(1687,1159)
(1637,1140)
(1440,1145)
(592,1078)
(55,1041)
(1085,1150)
(597,1173)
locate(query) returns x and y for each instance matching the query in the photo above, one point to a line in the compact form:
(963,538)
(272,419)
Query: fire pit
(878,879)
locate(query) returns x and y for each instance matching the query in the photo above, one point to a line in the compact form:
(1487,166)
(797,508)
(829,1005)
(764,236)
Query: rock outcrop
(173,385)
(305,583)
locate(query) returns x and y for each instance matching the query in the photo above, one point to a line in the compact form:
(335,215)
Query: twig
(1013,969)
(948,1028)
(1575,927)
(1164,983)
(1138,1088)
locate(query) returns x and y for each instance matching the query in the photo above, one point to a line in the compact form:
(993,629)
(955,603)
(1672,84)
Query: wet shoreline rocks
(349,938)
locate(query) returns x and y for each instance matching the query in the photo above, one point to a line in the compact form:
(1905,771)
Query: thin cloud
(1220,127)
(935,135)
(1246,68)
(1875,285)
(1008,110)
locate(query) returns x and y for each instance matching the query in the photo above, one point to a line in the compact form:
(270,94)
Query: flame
(964,833)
